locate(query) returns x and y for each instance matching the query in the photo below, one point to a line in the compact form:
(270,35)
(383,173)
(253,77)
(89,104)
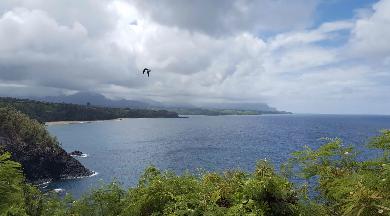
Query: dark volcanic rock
(52,163)
(76,153)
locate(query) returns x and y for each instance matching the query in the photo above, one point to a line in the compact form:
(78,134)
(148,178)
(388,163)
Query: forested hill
(46,112)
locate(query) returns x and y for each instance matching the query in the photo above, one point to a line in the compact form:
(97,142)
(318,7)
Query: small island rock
(76,153)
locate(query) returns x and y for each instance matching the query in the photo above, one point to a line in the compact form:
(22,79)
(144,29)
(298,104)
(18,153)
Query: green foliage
(231,193)
(107,200)
(19,127)
(11,179)
(383,143)
(345,185)
(262,192)
(19,198)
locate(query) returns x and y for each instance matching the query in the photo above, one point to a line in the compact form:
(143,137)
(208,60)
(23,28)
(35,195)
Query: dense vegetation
(332,182)
(45,112)
(344,184)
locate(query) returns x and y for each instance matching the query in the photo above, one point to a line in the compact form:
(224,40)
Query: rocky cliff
(40,154)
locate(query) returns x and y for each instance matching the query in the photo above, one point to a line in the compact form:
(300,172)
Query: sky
(304,56)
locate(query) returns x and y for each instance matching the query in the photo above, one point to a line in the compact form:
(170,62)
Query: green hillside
(46,112)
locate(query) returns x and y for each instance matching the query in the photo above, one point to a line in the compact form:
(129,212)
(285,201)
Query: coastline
(77,122)
(51,123)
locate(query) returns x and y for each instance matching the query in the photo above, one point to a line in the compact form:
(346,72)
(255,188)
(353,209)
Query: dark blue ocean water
(121,150)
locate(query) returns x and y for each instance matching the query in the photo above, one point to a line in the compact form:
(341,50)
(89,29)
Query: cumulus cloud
(93,15)
(223,17)
(371,32)
(41,51)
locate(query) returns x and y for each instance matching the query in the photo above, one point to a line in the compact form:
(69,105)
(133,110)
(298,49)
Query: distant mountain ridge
(241,106)
(83,98)
(95,99)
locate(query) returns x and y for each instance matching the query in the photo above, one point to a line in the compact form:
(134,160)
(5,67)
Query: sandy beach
(77,122)
(66,122)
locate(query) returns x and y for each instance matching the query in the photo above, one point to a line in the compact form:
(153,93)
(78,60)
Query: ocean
(121,150)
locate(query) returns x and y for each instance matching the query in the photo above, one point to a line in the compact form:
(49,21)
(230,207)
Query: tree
(11,186)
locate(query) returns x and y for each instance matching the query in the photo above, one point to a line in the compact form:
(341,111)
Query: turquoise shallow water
(121,150)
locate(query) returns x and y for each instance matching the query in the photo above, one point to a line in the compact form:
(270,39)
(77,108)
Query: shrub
(345,185)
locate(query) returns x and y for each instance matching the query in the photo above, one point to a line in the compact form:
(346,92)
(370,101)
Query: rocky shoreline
(47,165)
(41,156)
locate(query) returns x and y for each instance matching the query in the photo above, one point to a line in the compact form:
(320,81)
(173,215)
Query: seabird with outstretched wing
(147,70)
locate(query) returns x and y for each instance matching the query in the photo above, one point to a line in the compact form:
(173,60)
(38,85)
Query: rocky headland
(41,156)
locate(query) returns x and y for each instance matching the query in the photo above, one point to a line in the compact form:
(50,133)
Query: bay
(121,150)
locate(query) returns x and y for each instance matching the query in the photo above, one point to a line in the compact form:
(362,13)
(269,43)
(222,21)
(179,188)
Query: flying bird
(147,70)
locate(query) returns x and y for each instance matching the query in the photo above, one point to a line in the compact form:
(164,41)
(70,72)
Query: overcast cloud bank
(199,51)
